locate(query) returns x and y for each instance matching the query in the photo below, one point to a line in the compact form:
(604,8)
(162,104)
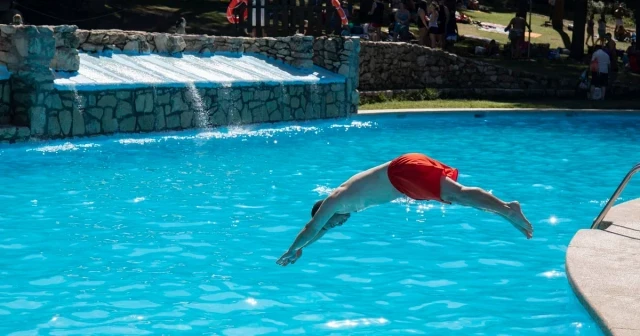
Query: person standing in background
(423,23)
(590,31)
(602,30)
(377,18)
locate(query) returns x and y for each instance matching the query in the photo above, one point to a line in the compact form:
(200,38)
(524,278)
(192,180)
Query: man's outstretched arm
(310,231)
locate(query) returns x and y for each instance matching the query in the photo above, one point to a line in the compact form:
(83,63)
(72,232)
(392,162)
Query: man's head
(335,220)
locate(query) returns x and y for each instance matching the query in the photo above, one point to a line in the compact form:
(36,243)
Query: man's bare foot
(519,221)
(289,257)
(298,255)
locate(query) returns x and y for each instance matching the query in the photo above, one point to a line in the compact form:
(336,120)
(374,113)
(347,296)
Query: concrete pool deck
(603,268)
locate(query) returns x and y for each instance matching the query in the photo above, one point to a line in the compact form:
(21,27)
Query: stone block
(52,101)
(173,121)
(108,100)
(177,103)
(35,43)
(132,47)
(295,102)
(123,95)
(160,123)
(92,100)
(163,99)
(38,118)
(78,123)
(92,126)
(109,123)
(275,116)
(186,119)
(272,106)
(127,124)
(54,127)
(90,47)
(64,120)
(66,59)
(7,132)
(147,122)
(23,133)
(144,103)
(123,109)
(82,36)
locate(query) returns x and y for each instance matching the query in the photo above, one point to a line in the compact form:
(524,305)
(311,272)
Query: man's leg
(454,192)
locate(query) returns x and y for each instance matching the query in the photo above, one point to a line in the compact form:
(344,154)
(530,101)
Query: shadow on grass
(566,40)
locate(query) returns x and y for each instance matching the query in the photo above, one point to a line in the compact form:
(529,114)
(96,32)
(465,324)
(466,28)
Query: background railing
(287,17)
(616,194)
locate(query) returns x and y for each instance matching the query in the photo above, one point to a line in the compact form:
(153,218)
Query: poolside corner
(603,268)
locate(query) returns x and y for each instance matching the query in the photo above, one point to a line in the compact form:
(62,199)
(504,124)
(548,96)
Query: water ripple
(175,233)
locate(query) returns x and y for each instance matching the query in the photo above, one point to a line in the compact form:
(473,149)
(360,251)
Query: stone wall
(294,50)
(144,110)
(341,55)
(41,111)
(5,102)
(398,66)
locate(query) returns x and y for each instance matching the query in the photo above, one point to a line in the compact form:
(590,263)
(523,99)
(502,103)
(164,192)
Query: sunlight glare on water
(179,232)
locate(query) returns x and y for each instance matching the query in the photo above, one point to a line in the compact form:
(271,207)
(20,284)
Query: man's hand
(289,257)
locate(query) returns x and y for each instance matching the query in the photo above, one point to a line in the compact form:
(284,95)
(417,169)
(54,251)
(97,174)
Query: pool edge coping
(583,300)
(583,241)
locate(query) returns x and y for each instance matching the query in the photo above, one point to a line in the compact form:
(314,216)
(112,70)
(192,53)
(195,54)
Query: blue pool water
(180,232)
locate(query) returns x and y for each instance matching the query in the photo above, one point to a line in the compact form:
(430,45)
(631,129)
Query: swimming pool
(180,232)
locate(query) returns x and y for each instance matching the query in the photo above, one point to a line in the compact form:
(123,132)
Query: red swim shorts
(418,176)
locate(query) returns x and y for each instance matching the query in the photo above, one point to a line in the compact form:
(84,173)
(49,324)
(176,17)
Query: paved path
(603,267)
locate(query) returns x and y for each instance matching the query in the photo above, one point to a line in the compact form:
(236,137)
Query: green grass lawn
(548,34)
(539,104)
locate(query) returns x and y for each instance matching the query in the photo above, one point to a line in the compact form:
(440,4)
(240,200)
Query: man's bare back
(413,175)
(372,182)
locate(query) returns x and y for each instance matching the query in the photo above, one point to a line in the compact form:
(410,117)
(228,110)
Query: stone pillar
(30,53)
(341,55)
(66,57)
(350,67)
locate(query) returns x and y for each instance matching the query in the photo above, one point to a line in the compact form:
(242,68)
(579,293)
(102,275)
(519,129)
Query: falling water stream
(201,112)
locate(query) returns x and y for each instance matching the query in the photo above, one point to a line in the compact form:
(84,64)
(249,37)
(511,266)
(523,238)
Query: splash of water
(196,102)
(78,99)
(67,146)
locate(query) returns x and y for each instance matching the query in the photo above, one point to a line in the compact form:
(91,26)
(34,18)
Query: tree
(558,15)
(579,23)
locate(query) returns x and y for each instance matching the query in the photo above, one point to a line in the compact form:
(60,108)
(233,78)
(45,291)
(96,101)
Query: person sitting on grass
(413,175)
(401,24)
